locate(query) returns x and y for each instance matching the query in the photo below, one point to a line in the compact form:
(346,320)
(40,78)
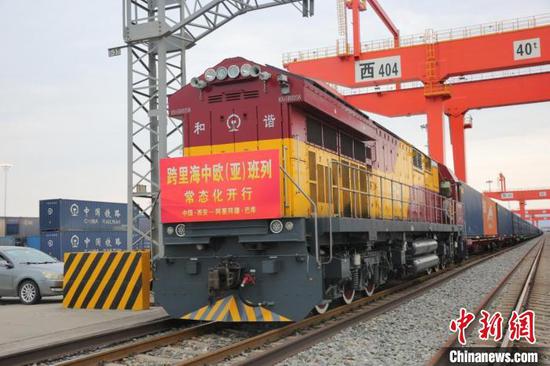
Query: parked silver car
(29,274)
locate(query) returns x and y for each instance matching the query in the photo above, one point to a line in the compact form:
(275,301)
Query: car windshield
(28,255)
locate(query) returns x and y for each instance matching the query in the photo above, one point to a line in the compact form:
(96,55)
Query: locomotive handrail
(330,241)
(430,212)
(317,259)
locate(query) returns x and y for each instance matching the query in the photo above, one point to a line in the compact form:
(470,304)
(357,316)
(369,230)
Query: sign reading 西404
(221,187)
(378,69)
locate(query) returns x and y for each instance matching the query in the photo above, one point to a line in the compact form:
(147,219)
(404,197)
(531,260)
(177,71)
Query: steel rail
(61,349)
(125,350)
(354,312)
(525,292)
(439,357)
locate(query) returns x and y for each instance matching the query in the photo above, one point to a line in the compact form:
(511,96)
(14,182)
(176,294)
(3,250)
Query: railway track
(538,299)
(210,343)
(526,286)
(71,346)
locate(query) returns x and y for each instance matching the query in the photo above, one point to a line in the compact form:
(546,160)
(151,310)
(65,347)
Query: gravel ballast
(413,332)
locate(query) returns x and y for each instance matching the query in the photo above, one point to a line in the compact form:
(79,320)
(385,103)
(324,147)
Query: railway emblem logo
(75,240)
(50,243)
(50,211)
(233,122)
(74,209)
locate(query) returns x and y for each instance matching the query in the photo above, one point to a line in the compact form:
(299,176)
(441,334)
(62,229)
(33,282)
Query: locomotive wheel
(443,265)
(348,295)
(429,271)
(322,307)
(369,288)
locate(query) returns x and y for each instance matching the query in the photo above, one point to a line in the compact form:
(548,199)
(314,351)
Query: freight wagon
(288,198)
(488,224)
(505,225)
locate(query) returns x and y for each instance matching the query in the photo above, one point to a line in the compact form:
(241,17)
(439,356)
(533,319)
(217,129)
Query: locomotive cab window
(322,135)
(330,138)
(346,145)
(314,132)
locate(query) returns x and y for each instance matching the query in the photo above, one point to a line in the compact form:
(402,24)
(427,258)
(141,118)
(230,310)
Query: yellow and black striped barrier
(107,280)
(232,309)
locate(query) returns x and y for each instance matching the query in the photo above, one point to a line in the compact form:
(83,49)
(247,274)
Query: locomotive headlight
(289,225)
(170,230)
(180,230)
(233,71)
(264,76)
(246,69)
(200,246)
(221,73)
(276,226)
(210,75)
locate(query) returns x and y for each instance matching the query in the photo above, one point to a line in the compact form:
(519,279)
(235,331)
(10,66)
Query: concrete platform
(27,327)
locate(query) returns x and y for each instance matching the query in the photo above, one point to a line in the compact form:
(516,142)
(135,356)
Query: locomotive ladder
(315,218)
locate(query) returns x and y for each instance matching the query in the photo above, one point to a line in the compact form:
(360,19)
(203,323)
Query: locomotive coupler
(225,276)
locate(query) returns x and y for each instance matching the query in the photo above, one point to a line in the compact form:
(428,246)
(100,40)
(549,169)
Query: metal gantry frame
(157,34)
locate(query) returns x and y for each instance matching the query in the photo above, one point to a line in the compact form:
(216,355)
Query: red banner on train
(221,187)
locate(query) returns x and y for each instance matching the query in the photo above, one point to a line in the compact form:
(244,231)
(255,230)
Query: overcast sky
(63,101)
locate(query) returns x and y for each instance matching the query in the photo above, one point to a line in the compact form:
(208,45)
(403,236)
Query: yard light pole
(6,167)
(489,183)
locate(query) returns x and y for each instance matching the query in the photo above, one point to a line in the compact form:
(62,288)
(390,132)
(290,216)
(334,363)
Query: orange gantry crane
(520,196)
(536,212)
(536,215)
(448,64)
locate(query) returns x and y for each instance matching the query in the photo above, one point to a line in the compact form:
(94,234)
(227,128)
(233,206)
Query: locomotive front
(233,211)
(287,198)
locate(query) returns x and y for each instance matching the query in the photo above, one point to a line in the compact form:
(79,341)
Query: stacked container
(17,230)
(80,226)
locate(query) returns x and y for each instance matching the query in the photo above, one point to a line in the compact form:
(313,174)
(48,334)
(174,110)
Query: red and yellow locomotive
(287,198)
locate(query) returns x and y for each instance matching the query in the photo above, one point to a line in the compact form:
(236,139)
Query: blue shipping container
(33,241)
(12,225)
(516,224)
(73,215)
(505,226)
(56,243)
(473,211)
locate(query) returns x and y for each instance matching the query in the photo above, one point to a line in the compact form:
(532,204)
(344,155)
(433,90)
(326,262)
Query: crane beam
(532,88)
(455,57)
(540,212)
(520,195)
